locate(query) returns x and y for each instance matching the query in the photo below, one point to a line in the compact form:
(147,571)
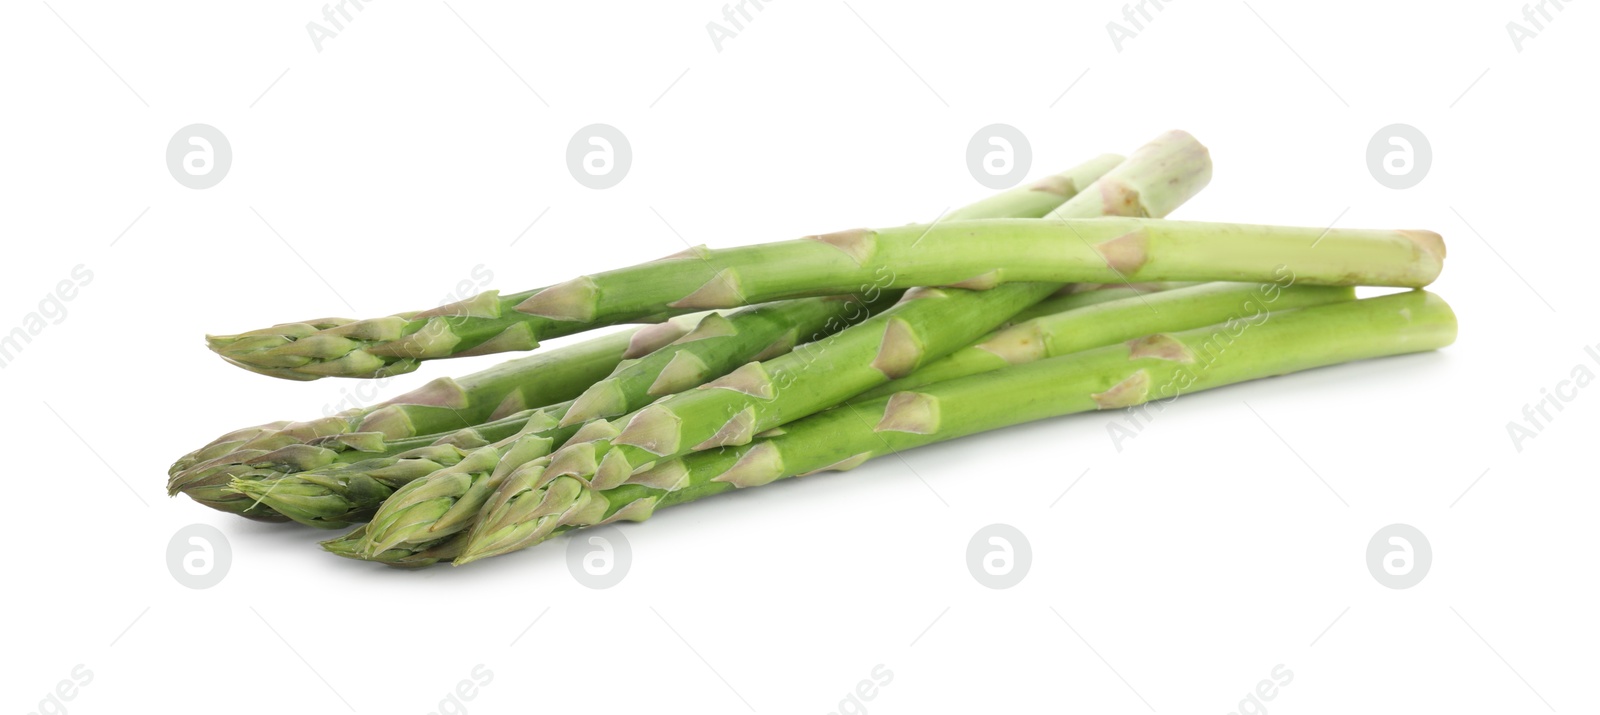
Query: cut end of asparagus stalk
(1430,242)
(1156,179)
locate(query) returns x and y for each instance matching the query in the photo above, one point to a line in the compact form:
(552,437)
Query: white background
(1172,576)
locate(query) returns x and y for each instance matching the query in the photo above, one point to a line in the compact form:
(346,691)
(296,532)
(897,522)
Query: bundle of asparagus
(1069,295)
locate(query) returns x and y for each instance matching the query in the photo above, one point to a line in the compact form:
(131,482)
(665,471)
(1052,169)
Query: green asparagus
(960,254)
(776,360)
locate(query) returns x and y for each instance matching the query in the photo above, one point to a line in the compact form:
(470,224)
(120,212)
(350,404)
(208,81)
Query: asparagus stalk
(424,513)
(762,396)
(340,494)
(488,323)
(962,254)
(1162,366)
(1114,321)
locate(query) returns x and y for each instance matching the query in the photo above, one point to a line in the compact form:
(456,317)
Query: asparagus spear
(425,512)
(963,254)
(761,396)
(339,494)
(488,323)
(1162,366)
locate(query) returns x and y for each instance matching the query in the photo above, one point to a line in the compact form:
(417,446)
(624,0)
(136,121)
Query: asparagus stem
(963,254)
(418,517)
(1162,366)
(489,323)
(1114,321)
(762,396)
